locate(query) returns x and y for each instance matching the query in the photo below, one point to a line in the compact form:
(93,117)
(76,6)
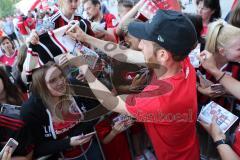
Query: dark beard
(152,64)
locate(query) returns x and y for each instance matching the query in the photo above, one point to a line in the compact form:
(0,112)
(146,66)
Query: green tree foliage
(6,7)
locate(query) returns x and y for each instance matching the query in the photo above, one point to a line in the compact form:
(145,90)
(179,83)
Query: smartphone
(120,118)
(143,71)
(205,81)
(217,87)
(74,72)
(11,143)
(199,74)
(88,135)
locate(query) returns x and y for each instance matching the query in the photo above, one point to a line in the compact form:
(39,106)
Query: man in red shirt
(22,26)
(30,21)
(168,105)
(100,22)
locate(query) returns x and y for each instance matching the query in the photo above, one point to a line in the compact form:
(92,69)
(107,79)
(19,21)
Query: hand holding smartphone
(10,143)
(217,87)
(203,81)
(81,139)
(120,118)
(122,122)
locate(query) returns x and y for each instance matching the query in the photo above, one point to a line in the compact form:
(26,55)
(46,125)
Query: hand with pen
(76,33)
(205,86)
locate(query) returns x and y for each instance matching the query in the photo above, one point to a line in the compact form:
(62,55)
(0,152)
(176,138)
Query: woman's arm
(116,129)
(230,84)
(109,137)
(225,151)
(56,146)
(51,147)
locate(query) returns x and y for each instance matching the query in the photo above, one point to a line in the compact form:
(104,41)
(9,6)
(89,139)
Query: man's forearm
(116,51)
(102,93)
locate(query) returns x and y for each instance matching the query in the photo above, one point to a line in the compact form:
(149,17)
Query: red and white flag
(150,7)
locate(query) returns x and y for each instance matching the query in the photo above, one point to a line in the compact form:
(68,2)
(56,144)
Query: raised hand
(207,60)
(33,38)
(76,33)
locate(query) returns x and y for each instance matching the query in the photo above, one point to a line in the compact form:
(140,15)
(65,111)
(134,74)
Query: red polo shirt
(168,109)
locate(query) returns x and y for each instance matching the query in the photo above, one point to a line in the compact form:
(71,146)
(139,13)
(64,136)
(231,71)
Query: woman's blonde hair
(39,86)
(219,34)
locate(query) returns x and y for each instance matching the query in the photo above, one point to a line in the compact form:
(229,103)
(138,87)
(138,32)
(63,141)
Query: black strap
(219,142)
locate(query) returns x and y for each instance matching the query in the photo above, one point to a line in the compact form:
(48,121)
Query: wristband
(221,77)
(219,142)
